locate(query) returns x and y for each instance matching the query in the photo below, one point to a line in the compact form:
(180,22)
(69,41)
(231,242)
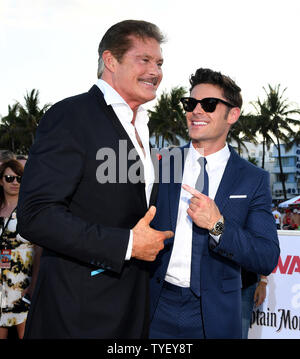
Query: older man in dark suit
(87,205)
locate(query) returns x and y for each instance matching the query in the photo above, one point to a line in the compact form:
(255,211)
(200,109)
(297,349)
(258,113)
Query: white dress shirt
(125,115)
(179,269)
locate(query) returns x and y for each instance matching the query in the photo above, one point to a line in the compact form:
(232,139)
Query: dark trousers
(178,315)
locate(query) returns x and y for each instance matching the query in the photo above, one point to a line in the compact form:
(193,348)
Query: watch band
(264,280)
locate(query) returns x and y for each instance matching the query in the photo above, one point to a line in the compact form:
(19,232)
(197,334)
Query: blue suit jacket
(249,240)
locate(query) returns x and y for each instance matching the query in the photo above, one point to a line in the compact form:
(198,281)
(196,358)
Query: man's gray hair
(117,39)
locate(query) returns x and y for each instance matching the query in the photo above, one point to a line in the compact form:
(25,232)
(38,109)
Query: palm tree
(261,126)
(242,131)
(17,129)
(31,113)
(253,160)
(276,112)
(294,140)
(9,128)
(167,121)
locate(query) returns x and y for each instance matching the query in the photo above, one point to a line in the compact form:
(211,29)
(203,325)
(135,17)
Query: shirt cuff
(129,248)
(216,238)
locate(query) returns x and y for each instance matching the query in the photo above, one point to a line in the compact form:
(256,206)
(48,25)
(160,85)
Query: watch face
(219,227)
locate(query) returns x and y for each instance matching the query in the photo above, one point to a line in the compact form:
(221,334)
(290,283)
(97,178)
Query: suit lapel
(230,179)
(110,113)
(174,189)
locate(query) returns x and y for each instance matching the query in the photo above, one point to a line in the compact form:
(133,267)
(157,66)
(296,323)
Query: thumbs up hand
(147,242)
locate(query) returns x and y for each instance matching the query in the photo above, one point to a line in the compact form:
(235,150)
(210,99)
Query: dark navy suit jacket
(249,240)
(83,226)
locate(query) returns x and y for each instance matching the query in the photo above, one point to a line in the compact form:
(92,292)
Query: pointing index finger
(192,191)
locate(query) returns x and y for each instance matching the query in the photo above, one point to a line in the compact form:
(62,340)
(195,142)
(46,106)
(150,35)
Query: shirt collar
(112,97)
(218,157)
(214,159)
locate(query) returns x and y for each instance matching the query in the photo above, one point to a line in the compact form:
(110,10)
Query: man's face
(137,76)
(210,128)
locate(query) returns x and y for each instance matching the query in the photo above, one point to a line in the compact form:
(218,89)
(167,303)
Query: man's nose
(154,69)
(198,108)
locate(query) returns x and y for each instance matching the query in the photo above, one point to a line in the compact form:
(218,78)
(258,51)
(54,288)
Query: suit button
(158,280)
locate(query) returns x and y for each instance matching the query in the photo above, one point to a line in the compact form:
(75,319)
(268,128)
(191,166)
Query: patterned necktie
(199,234)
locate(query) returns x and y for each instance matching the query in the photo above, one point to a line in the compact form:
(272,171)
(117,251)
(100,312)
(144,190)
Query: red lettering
(295,261)
(290,265)
(282,267)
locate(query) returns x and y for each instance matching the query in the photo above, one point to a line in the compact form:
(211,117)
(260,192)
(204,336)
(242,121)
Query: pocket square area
(95,272)
(238,196)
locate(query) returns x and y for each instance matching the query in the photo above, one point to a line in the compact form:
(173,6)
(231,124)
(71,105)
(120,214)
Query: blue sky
(51,45)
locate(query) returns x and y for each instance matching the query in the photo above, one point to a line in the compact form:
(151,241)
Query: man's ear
(233,115)
(109,60)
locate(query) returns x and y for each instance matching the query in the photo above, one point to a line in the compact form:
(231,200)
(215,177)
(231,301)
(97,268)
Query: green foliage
(253,160)
(167,120)
(17,129)
(274,123)
(242,131)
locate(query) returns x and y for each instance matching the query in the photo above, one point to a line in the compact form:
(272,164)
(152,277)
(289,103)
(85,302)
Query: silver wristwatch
(218,228)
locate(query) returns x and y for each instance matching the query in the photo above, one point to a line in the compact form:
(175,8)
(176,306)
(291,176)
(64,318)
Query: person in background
(253,294)
(277,217)
(295,219)
(17,255)
(6,155)
(22,159)
(287,220)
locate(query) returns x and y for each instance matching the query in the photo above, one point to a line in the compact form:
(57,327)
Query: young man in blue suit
(224,225)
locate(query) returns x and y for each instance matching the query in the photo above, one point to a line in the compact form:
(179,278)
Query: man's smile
(149,82)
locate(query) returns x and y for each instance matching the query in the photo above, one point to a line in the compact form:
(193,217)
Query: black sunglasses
(208,104)
(10,179)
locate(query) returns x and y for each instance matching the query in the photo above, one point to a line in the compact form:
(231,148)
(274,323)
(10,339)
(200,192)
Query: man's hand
(147,242)
(203,210)
(260,293)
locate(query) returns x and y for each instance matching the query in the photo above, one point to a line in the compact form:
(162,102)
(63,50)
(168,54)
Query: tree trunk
(12,144)
(282,179)
(157,140)
(239,147)
(263,155)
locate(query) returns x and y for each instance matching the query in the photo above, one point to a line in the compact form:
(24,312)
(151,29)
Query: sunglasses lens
(209,104)
(189,104)
(10,179)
